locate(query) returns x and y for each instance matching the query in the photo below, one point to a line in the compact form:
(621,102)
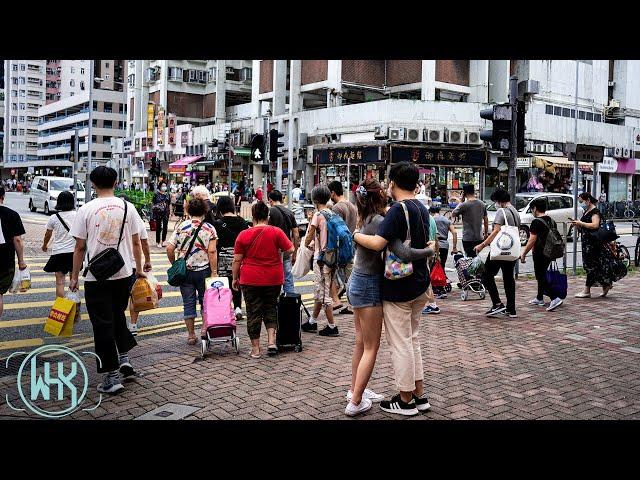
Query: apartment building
(58,121)
(25,92)
(195,91)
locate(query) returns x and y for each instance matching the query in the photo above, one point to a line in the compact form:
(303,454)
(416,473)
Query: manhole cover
(169,411)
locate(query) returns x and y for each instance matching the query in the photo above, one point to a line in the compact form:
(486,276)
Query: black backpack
(554,244)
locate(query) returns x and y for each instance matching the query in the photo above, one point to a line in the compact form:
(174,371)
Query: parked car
(45,190)
(559,208)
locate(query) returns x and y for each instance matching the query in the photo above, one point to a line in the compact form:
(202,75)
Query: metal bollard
(565,235)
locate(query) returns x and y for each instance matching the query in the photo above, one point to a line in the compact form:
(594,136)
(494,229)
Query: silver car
(559,208)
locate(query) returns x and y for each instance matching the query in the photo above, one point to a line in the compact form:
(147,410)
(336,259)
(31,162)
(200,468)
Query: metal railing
(620,210)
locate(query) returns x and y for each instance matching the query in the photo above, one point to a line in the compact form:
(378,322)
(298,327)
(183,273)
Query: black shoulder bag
(108,262)
(62,222)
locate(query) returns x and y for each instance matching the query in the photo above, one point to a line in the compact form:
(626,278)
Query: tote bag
(394,267)
(506,245)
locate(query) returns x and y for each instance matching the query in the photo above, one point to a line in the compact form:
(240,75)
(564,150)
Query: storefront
(349,164)
(554,174)
(444,170)
(179,171)
(635,182)
(623,179)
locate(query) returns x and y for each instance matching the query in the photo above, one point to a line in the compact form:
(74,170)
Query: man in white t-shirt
(296,193)
(97,228)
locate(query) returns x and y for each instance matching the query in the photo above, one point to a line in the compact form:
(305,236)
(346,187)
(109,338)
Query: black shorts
(6,279)
(60,262)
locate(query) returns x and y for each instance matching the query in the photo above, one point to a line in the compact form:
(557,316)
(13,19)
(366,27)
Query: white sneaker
(353,410)
(555,303)
(535,301)
(238,313)
(368,394)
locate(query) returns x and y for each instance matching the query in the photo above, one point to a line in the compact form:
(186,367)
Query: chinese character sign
(150,119)
(160,139)
(171,127)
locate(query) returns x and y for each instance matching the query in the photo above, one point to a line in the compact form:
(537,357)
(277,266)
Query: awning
(560,161)
(180,166)
(184,161)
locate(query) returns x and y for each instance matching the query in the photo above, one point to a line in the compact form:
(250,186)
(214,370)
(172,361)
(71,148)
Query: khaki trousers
(402,329)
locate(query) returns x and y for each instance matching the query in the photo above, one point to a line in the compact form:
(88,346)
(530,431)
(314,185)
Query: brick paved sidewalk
(579,362)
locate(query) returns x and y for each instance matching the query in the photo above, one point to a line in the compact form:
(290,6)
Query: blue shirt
(394,226)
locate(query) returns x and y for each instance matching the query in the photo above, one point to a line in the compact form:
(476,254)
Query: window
(71,94)
(21,118)
(23,67)
(106,64)
(72,83)
(554,203)
(573,113)
(565,112)
(107,124)
(557,111)
(597,117)
(175,73)
(548,109)
(73,70)
(82,71)
(42,185)
(581,115)
(14,67)
(14,131)
(106,139)
(14,93)
(22,93)
(81,85)
(131,79)
(567,202)
(108,107)
(14,119)
(107,76)
(590,116)
(21,131)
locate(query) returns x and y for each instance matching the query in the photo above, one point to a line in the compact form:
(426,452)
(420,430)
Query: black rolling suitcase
(289,334)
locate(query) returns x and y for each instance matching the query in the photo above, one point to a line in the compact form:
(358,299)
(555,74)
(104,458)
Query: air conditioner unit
(614,103)
(435,136)
(381,132)
(245,74)
(528,146)
(414,135)
(625,153)
(456,136)
(473,137)
(538,148)
(617,152)
(396,133)
(549,148)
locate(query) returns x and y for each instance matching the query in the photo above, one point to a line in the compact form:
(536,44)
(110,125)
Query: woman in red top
(257,269)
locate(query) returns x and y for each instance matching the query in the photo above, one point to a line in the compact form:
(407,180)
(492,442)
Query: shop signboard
(150,120)
(160,139)
(439,156)
(523,162)
(608,165)
(344,155)
(137,144)
(184,139)
(171,127)
(144,144)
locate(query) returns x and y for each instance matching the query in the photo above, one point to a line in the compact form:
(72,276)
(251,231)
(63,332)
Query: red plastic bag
(152,225)
(438,277)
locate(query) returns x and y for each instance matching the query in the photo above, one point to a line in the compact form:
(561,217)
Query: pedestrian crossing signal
(257,148)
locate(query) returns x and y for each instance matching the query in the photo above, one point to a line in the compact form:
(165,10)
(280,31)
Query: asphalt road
(21,326)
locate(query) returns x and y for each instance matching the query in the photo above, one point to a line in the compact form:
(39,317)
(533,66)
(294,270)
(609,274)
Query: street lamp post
(87,187)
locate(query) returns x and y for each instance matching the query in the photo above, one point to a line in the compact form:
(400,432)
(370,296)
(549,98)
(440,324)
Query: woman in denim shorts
(363,293)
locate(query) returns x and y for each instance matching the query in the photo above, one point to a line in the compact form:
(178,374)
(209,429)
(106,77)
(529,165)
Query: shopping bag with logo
(556,282)
(21,281)
(394,267)
(216,282)
(61,317)
(144,294)
(506,245)
(438,277)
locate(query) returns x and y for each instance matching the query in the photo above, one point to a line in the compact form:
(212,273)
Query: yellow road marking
(28,342)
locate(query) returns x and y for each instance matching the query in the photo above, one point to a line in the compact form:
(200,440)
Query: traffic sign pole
(513,147)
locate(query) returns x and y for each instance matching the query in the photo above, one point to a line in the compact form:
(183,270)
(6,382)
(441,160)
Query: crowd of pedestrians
(397,241)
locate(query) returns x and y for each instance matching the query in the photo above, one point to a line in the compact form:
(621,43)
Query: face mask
(582,205)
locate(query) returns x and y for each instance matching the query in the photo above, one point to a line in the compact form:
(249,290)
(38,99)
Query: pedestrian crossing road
(22,323)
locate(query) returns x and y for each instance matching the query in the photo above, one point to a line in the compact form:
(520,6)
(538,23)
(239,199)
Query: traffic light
(274,145)
(257,148)
(500,135)
(72,148)
(520,127)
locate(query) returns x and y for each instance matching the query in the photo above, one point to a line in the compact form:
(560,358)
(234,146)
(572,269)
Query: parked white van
(45,190)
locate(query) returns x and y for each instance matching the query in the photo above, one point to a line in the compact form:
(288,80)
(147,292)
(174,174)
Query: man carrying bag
(108,228)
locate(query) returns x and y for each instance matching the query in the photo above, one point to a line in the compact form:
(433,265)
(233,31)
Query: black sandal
(272,350)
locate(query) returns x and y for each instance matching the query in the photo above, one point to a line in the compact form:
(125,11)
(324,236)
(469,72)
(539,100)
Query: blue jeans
(192,286)
(288,276)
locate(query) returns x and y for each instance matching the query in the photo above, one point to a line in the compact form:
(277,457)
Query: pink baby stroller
(219,318)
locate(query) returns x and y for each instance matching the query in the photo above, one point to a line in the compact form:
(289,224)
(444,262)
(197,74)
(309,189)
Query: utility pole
(87,185)
(513,147)
(265,161)
(290,161)
(76,156)
(575,174)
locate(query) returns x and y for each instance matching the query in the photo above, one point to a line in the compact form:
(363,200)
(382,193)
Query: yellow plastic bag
(144,295)
(61,318)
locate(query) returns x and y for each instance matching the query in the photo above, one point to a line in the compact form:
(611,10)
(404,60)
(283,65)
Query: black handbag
(108,262)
